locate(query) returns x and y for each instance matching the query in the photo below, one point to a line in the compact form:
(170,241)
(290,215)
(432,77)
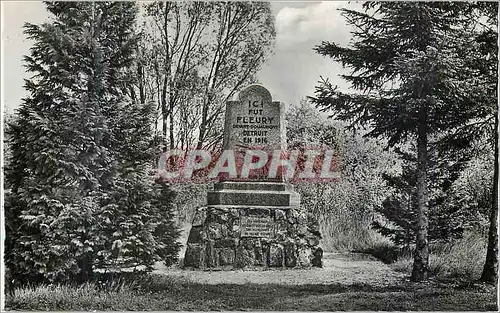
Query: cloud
(290,74)
(15,45)
(294,70)
(321,21)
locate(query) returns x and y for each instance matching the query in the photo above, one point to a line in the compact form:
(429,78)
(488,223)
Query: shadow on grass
(159,293)
(319,297)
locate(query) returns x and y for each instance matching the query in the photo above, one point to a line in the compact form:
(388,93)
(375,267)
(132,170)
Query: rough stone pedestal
(253,225)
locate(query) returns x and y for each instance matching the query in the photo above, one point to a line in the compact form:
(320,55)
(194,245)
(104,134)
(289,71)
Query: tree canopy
(79,194)
(413,77)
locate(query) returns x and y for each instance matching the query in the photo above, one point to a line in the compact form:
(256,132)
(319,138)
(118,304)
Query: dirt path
(343,269)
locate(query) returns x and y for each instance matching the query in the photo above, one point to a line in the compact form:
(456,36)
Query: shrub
(68,297)
(461,259)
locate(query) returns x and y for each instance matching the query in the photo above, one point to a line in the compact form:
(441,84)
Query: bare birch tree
(195,56)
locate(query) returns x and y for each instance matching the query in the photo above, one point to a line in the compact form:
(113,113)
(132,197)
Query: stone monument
(256,223)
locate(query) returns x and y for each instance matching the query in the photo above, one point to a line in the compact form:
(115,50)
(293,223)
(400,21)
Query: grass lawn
(162,293)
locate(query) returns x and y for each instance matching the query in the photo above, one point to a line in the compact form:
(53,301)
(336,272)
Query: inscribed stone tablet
(254,120)
(256,226)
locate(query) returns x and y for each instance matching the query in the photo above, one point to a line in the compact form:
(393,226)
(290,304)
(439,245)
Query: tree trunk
(142,96)
(171,125)
(168,79)
(421,254)
(203,124)
(86,268)
(490,270)
(164,113)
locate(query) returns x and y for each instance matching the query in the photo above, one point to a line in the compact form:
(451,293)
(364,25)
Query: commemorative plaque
(256,226)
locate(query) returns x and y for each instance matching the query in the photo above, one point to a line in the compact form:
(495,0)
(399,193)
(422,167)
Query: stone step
(258,207)
(253,197)
(236,185)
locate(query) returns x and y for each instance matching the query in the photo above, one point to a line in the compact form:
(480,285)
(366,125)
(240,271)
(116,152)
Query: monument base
(253,193)
(254,225)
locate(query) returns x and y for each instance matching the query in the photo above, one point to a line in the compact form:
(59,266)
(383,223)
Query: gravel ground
(342,269)
(345,269)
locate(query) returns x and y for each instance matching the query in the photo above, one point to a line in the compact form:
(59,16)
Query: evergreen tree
(447,219)
(78,168)
(487,40)
(480,53)
(413,80)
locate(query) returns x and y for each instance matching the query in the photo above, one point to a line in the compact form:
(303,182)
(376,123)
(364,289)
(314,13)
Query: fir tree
(408,65)
(446,219)
(487,39)
(79,167)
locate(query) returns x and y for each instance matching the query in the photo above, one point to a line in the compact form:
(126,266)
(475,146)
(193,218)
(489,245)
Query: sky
(290,73)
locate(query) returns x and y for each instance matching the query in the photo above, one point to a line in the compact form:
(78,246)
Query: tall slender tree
(412,82)
(483,56)
(480,53)
(198,55)
(244,34)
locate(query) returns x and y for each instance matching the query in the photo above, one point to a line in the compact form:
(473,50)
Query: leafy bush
(345,208)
